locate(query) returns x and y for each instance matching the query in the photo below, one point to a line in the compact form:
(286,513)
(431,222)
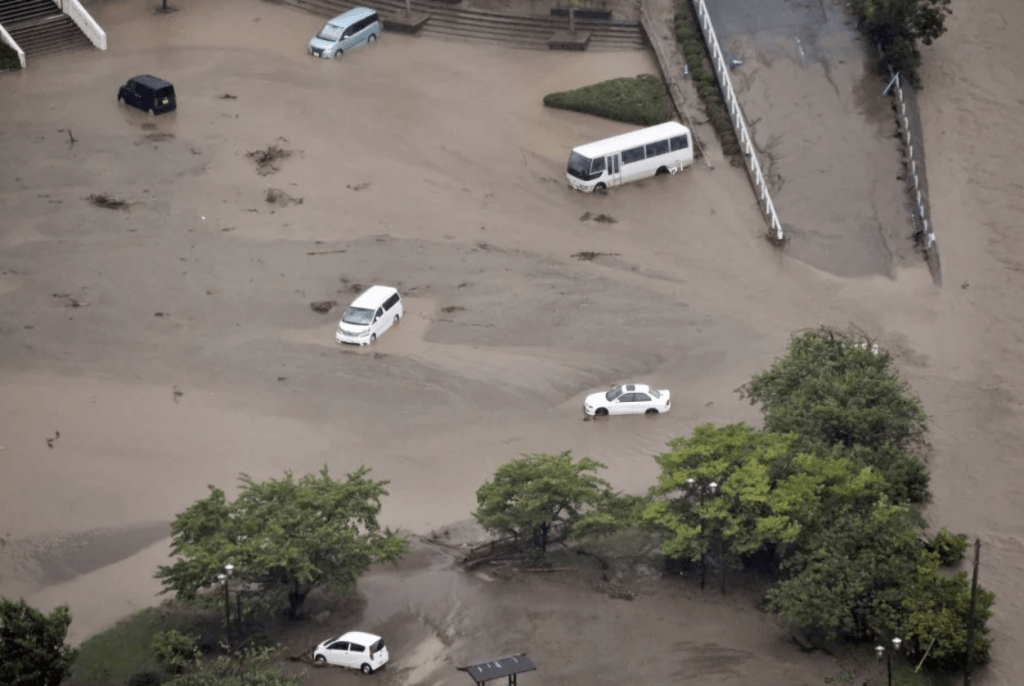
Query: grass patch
(641,100)
(8,58)
(691,42)
(112,657)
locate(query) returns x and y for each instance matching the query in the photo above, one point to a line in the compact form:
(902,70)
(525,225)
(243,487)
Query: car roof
(373,296)
(359,637)
(353,15)
(150,81)
(635,387)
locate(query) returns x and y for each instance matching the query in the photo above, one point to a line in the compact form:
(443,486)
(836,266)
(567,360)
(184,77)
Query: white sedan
(631,398)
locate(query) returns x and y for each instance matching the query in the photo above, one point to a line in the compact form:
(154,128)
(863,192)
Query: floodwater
(194,355)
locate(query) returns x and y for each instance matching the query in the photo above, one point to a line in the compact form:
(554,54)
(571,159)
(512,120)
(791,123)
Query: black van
(148,93)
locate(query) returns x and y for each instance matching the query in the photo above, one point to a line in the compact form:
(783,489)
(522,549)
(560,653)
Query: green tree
(736,516)
(847,578)
(936,608)
(840,395)
(539,497)
(33,651)
(284,538)
(895,26)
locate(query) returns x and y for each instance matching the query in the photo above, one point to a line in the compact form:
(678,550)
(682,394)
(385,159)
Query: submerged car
(346,31)
(355,650)
(375,311)
(149,93)
(631,398)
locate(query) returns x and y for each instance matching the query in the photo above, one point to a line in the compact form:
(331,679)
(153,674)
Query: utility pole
(970,614)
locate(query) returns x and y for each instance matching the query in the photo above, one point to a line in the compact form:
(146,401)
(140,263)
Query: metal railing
(908,120)
(88,25)
(6,38)
(739,125)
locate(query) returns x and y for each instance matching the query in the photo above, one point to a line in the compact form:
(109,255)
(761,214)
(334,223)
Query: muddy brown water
(194,354)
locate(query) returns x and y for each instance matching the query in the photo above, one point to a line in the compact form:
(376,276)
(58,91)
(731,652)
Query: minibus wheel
(661,170)
(600,188)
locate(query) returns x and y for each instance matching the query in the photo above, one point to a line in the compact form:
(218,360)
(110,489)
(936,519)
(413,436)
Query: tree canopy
(838,393)
(539,497)
(895,26)
(284,537)
(33,651)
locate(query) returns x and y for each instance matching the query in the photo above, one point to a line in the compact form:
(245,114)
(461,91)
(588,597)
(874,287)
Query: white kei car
(634,398)
(355,650)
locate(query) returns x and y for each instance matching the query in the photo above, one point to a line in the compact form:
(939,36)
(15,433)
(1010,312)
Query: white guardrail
(6,38)
(88,25)
(896,84)
(738,123)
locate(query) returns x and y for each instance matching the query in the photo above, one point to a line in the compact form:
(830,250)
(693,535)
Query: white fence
(6,38)
(88,25)
(913,175)
(738,123)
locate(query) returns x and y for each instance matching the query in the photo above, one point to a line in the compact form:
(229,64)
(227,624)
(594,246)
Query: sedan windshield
(357,315)
(613,394)
(330,32)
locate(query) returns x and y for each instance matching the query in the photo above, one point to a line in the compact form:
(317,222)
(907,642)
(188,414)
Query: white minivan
(371,314)
(355,650)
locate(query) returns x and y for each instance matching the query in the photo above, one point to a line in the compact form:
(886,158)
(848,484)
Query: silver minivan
(346,31)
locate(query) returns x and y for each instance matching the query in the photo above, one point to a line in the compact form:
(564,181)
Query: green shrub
(8,58)
(694,51)
(641,100)
(949,547)
(175,650)
(146,678)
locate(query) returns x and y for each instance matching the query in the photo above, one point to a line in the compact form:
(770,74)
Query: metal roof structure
(495,669)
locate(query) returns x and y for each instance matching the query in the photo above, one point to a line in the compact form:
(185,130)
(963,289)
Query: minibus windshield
(579,166)
(357,315)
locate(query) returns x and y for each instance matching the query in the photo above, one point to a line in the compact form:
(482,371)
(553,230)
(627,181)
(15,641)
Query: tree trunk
(296,599)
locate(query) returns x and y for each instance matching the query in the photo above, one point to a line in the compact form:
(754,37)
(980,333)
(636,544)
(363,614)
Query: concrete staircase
(452,22)
(39,27)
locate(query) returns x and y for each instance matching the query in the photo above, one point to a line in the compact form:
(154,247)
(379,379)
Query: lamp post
(880,651)
(223,578)
(711,488)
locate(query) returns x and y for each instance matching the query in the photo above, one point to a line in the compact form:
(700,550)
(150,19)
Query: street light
(880,651)
(223,579)
(711,488)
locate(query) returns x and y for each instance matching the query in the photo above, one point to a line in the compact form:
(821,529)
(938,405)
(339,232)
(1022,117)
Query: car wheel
(120,100)
(320,660)
(651,410)
(601,412)
(373,337)
(151,111)
(366,669)
(337,54)
(395,323)
(373,37)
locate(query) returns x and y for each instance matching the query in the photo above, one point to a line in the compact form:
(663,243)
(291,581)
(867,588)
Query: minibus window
(655,149)
(633,155)
(679,143)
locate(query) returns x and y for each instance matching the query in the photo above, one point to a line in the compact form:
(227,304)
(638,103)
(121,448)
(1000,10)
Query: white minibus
(661,149)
